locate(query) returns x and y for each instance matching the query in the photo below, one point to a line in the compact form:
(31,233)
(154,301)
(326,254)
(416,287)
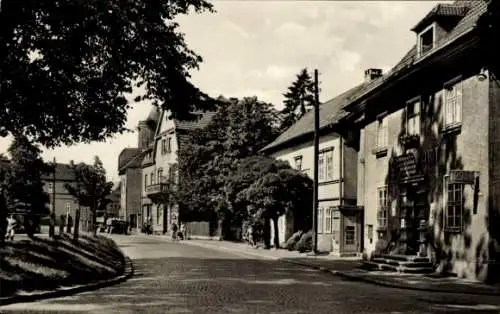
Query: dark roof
(455,10)
(63,173)
(333,110)
(330,112)
(126,155)
(202,121)
(134,162)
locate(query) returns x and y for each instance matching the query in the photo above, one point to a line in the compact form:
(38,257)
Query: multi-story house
(340,226)
(160,170)
(428,146)
(129,170)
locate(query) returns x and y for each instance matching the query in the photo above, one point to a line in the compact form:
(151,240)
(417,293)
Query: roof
(64,172)
(202,121)
(334,110)
(134,162)
(455,10)
(330,112)
(126,155)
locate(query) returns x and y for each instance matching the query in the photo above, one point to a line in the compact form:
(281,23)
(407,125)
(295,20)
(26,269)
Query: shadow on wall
(436,152)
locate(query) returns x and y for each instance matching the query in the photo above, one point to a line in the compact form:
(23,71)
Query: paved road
(177,278)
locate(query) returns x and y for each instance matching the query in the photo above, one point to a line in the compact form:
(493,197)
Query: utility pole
(53,207)
(316,170)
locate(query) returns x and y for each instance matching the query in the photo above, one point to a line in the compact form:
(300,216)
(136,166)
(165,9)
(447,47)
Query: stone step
(406,258)
(408,264)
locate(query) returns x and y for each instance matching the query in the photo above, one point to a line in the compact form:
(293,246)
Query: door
(350,235)
(166,222)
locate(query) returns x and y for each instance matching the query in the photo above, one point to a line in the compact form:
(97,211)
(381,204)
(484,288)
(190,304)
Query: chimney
(371,74)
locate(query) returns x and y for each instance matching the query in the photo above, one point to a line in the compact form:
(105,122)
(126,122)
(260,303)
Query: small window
(169,145)
(382,135)
(454,207)
(325,165)
(320,220)
(413,118)
(453,105)
(163,146)
(145,181)
(68,207)
(382,207)
(152,178)
(328,220)
(298,163)
(426,41)
(350,235)
(160,175)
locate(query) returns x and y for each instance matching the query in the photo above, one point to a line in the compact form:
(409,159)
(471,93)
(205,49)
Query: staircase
(411,264)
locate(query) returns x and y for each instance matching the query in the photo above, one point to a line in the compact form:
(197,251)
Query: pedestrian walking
(250,235)
(174,231)
(183,231)
(11,227)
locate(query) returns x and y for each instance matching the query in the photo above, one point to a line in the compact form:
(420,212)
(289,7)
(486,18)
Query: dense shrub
(291,243)
(305,242)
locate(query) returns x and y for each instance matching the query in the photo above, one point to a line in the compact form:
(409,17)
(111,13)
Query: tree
(299,99)
(90,190)
(278,192)
(66,65)
(24,182)
(4,168)
(239,129)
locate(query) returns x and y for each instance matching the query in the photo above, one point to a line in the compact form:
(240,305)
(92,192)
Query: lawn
(46,264)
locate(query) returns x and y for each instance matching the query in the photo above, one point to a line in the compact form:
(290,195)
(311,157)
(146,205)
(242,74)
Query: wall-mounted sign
(462,177)
(407,170)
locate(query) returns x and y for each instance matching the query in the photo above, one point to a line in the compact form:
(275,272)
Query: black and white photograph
(249,156)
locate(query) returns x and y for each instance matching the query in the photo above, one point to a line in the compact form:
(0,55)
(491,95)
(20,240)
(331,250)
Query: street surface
(176,278)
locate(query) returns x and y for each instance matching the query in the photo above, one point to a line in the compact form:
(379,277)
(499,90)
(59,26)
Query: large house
(129,170)
(159,167)
(428,143)
(340,225)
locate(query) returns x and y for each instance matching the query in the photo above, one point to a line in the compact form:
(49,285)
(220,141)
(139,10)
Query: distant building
(113,208)
(64,203)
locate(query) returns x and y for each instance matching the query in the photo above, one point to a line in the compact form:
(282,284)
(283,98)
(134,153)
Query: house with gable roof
(340,220)
(428,146)
(159,166)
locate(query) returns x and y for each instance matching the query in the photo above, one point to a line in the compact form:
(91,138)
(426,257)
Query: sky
(255,48)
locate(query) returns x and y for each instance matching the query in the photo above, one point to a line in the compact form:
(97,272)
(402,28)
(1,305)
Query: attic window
(426,40)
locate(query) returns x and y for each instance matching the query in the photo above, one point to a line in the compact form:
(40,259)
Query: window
(68,207)
(328,220)
(298,163)
(320,219)
(426,41)
(382,207)
(382,141)
(350,235)
(160,175)
(152,178)
(325,165)
(453,104)
(169,145)
(413,118)
(163,146)
(454,207)
(145,181)
(158,214)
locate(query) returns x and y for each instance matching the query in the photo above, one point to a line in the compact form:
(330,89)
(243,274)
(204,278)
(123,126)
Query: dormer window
(426,40)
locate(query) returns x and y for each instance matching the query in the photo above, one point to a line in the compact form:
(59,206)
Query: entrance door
(166,223)
(350,234)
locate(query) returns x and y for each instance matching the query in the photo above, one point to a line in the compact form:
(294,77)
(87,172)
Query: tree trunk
(77,224)
(276,233)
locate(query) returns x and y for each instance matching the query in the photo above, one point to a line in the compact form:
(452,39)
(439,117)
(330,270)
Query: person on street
(11,227)
(62,222)
(174,231)
(250,236)
(183,231)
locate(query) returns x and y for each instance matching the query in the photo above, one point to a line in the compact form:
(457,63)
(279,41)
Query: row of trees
(22,186)
(224,176)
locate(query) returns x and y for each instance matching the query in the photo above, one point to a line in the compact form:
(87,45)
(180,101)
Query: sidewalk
(348,268)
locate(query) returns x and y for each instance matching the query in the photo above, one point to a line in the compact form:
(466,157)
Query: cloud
(256,48)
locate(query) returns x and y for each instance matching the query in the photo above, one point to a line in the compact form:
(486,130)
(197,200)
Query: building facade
(129,170)
(61,201)
(427,148)
(160,170)
(340,225)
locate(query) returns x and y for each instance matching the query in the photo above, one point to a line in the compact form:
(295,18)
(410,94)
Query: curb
(348,276)
(66,291)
